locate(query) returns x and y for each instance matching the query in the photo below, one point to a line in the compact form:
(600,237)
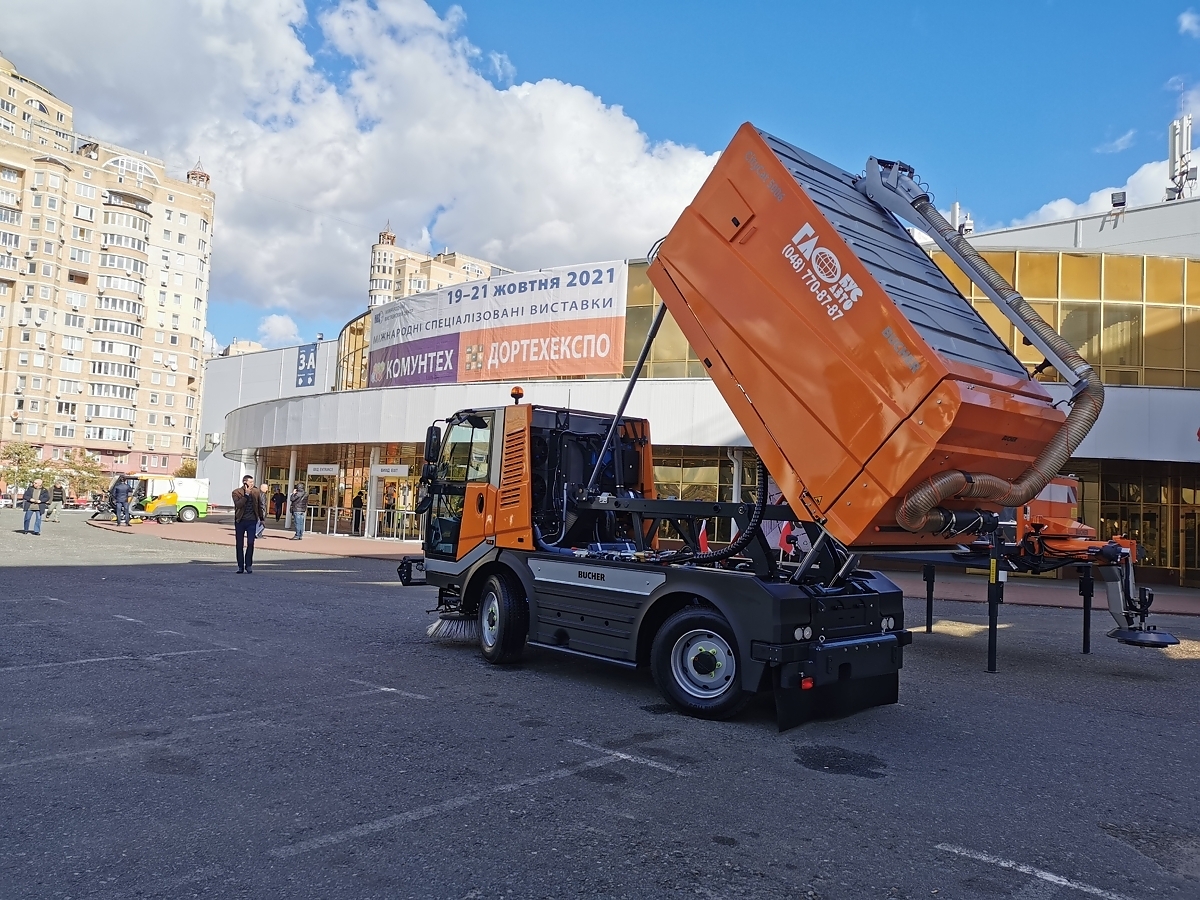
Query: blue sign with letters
(306,365)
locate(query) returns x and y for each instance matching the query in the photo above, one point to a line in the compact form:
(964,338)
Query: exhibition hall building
(349,415)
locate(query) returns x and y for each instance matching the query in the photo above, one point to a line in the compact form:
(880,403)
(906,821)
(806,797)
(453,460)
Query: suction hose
(920,510)
(743,539)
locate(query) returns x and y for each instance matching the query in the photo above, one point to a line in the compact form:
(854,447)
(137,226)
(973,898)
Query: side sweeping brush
(454,627)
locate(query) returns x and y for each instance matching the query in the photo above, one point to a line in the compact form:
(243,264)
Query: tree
(82,471)
(22,463)
(187,469)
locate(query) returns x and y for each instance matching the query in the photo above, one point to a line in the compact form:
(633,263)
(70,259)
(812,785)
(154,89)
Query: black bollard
(995,598)
(928,574)
(1087,587)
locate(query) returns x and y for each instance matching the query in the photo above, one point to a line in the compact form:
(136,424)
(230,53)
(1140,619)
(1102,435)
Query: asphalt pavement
(172,729)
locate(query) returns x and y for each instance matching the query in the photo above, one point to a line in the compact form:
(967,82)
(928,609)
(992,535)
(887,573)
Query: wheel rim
(702,663)
(489,619)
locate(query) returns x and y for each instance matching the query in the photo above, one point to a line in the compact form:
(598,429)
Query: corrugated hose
(920,510)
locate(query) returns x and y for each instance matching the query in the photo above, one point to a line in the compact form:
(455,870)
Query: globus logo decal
(822,272)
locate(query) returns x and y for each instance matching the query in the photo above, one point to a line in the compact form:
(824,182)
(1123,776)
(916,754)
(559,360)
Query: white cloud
(1124,142)
(278,331)
(306,171)
(1189,23)
(1146,185)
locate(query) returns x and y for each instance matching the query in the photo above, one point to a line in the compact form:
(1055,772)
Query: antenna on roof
(1179,157)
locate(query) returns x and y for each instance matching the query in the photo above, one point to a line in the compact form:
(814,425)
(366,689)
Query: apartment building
(104,274)
(397,272)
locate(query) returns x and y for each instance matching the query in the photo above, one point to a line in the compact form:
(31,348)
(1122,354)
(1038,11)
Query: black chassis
(610,609)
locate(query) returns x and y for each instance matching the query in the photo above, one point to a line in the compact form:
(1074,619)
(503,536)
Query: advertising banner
(568,320)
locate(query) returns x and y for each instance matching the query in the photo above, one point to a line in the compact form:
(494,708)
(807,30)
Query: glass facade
(1136,318)
(1156,504)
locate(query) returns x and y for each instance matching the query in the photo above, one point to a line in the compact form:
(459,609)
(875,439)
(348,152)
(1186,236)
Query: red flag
(703,535)
(783,537)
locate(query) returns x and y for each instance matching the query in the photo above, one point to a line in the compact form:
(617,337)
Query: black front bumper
(832,661)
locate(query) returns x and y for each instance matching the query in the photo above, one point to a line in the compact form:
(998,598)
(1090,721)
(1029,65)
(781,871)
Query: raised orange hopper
(855,367)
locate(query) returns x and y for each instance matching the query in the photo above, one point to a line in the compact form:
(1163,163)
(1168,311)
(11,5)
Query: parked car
(6,502)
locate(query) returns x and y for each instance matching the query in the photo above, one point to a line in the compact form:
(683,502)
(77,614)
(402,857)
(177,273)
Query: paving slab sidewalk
(221,532)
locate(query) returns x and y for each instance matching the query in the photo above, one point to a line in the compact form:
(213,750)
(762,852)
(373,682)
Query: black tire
(188,514)
(695,660)
(503,620)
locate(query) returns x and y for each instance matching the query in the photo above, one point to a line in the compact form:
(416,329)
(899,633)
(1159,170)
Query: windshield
(466,454)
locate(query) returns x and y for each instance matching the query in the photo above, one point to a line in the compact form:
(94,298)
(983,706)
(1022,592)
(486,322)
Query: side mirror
(428,472)
(433,443)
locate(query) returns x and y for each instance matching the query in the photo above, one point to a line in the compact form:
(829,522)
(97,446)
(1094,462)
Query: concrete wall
(681,411)
(234,381)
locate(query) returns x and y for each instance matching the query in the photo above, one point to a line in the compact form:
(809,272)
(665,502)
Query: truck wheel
(503,621)
(694,662)
(188,514)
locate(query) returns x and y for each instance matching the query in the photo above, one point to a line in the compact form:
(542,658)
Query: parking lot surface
(171,729)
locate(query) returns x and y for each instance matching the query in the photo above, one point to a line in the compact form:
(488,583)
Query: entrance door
(460,491)
(1188,563)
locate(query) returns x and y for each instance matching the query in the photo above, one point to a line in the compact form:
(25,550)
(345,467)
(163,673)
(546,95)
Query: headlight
(888,623)
(803,633)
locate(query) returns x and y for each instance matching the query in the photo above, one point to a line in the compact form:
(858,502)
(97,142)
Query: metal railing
(390,524)
(397,525)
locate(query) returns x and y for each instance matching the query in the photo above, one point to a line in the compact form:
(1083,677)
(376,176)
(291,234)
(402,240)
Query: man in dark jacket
(278,501)
(298,502)
(120,495)
(58,495)
(35,500)
(249,509)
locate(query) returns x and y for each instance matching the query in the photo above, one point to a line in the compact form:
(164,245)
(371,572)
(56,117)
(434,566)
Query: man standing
(278,499)
(357,515)
(35,499)
(120,495)
(249,508)
(57,495)
(299,504)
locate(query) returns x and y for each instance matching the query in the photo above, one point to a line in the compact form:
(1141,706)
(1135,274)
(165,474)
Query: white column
(371,517)
(287,504)
(735,456)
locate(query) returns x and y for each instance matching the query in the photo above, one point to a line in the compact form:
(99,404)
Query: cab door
(463,512)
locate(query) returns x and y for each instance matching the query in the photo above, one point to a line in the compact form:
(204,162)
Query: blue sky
(407,117)
(1005,103)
